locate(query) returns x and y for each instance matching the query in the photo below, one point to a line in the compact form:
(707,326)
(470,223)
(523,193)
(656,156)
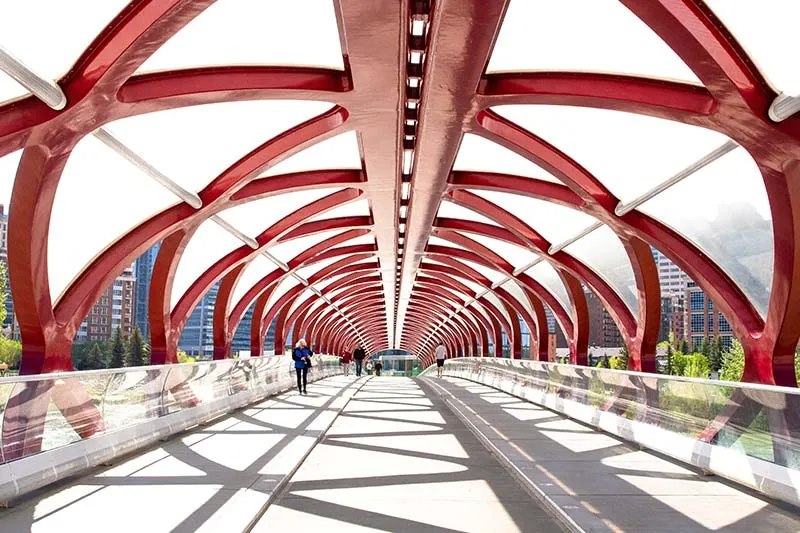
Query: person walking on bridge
(347,357)
(359,355)
(302,362)
(441,352)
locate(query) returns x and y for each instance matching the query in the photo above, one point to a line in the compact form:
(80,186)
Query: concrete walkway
(216,478)
(603,483)
(398,460)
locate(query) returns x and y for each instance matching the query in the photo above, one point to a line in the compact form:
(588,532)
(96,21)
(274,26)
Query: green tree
(684,346)
(137,351)
(603,362)
(3,289)
(697,366)
(10,352)
(704,347)
(733,363)
(618,363)
(715,355)
(117,350)
(670,355)
(95,359)
(183,358)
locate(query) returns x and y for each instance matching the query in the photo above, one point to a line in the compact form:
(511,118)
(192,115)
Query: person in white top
(440,354)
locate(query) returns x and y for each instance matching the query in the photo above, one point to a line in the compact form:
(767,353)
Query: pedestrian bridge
(494,445)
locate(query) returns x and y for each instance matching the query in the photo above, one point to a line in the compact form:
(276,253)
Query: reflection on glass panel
(358,208)
(516,255)
(133,397)
(288,250)
(724,210)
(545,274)
(121,198)
(252,218)
(603,252)
(477,153)
(193,145)
(622,44)
(629,153)
(49,38)
(254,32)
(767,29)
(554,222)
(340,152)
(284,286)
(209,244)
(254,272)
(453,210)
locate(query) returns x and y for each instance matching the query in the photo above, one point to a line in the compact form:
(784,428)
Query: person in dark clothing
(359,355)
(302,362)
(378,367)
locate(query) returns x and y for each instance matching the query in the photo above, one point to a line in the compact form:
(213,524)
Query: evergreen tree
(715,355)
(136,352)
(684,346)
(603,362)
(704,347)
(117,350)
(669,358)
(95,359)
(733,363)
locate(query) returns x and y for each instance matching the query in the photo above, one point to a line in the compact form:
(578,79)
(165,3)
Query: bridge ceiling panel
(252,218)
(723,208)
(300,299)
(546,275)
(307,272)
(106,218)
(433,240)
(193,145)
(518,294)
(477,153)
(516,255)
(554,222)
(284,286)
(339,152)
(629,153)
(288,250)
(493,275)
(767,29)
(255,32)
(453,210)
(494,300)
(569,31)
(24,26)
(603,252)
(209,244)
(358,208)
(255,271)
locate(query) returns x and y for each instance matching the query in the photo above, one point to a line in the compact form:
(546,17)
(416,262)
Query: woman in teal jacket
(302,362)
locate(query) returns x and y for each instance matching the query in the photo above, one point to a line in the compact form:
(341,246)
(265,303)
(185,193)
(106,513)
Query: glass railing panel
(760,421)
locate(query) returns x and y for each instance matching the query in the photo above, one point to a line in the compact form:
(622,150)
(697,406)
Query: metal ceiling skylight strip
(418,28)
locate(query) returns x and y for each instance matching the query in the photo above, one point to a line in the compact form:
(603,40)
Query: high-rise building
(113,309)
(9,322)
(703,321)
(241,338)
(197,338)
(144,271)
(672,279)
